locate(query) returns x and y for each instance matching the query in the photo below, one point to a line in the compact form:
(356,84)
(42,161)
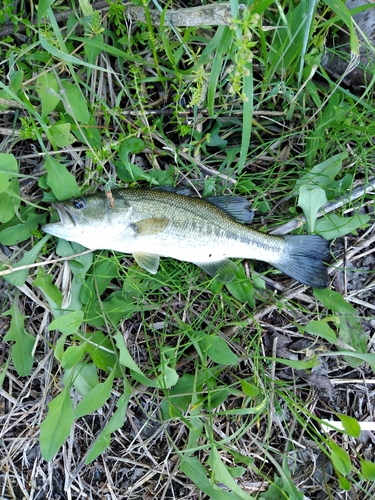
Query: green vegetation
(214,390)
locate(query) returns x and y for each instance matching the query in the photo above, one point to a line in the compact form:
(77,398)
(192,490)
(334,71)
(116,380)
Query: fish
(153,223)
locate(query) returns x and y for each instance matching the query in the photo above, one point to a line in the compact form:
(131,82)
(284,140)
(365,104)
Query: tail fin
(303,259)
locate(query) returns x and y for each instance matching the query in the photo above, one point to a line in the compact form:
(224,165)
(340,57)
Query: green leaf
(8,168)
(60,135)
(20,230)
(241,288)
(18,278)
(23,342)
(323,174)
(249,389)
(9,201)
(83,375)
(321,329)
(100,348)
(195,471)
(367,470)
(43,6)
(115,423)
(352,333)
(168,377)
(333,226)
(60,180)
(350,425)
(220,352)
(222,475)
(340,458)
(75,103)
(95,398)
(126,360)
(51,292)
(67,324)
(334,301)
(57,425)
(311,200)
(73,355)
(47,88)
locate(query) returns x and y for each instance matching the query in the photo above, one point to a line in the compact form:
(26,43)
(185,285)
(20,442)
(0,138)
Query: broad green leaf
(23,342)
(344,484)
(75,103)
(9,201)
(350,424)
(60,180)
(333,226)
(367,469)
(195,471)
(352,333)
(18,278)
(20,230)
(67,324)
(60,135)
(115,423)
(83,375)
(340,458)
(311,200)
(249,389)
(321,329)
(242,288)
(56,427)
(126,360)
(334,301)
(323,174)
(100,348)
(72,355)
(220,352)
(216,397)
(95,398)
(50,291)
(222,475)
(8,168)
(168,377)
(47,88)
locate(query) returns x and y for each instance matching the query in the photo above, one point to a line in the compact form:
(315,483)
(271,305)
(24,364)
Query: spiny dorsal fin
(236,207)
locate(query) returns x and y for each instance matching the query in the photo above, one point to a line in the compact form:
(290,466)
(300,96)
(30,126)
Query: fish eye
(79,203)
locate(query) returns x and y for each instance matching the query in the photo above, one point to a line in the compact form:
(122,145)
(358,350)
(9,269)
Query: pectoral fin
(146,227)
(222,269)
(148,261)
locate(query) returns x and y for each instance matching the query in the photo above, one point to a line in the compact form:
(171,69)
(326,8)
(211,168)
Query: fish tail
(303,259)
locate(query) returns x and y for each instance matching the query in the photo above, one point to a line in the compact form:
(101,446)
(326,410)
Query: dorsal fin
(236,207)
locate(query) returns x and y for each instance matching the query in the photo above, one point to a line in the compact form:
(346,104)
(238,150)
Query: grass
(175,385)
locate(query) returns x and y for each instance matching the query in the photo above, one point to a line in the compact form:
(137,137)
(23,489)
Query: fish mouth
(64,226)
(66,217)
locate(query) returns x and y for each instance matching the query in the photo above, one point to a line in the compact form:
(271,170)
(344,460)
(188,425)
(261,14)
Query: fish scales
(151,223)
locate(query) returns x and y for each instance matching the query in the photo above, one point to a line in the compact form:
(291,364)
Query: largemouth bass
(150,224)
